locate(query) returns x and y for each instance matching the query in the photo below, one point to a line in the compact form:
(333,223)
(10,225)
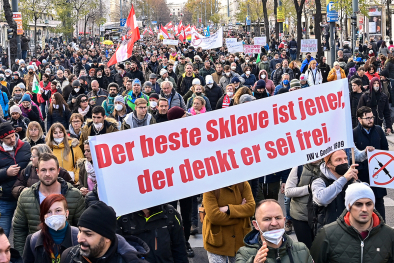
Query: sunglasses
(85,100)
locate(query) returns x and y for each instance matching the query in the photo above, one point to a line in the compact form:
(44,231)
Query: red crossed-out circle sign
(381,168)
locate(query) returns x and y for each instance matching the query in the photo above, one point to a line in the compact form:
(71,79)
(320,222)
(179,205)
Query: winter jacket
(273,63)
(216,77)
(34,143)
(389,66)
(130,250)
(314,79)
(249,81)
(189,103)
(56,116)
(224,81)
(324,69)
(299,252)
(137,74)
(162,232)
(332,75)
(204,72)
(377,139)
(109,105)
(128,122)
(174,99)
(110,125)
(4,103)
(25,43)
(279,72)
(21,122)
(171,79)
(305,64)
(98,97)
(21,157)
(354,100)
(180,69)
(340,242)
(370,76)
(130,99)
(277,88)
(223,233)
(73,95)
(184,83)
(40,255)
(265,65)
(92,197)
(364,79)
(70,162)
(27,214)
(28,176)
(213,94)
(269,84)
(381,110)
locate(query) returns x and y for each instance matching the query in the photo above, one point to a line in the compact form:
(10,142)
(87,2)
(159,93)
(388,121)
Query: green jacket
(266,66)
(252,241)
(204,72)
(340,243)
(27,215)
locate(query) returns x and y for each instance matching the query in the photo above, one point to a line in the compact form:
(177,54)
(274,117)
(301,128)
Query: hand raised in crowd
(369,149)
(13,170)
(261,255)
(351,173)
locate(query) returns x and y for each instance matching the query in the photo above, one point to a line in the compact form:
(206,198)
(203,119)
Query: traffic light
(10,33)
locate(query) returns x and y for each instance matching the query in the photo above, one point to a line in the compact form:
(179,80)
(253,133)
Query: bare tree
(298,8)
(10,21)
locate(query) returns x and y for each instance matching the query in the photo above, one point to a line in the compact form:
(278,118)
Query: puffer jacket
(252,241)
(340,242)
(110,125)
(28,176)
(69,164)
(223,233)
(22,158)
(27,215)
(213,94)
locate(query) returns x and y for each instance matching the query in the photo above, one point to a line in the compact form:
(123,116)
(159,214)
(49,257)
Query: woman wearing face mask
(30,110)
(246,63)
(198,90)
(250,79)
(58,111)
(45,88)
(56,234)
(269,84)
(227,221)
(34,134)
(378,101)
(121,110)
(153,100)
(227,99)
(66,150)
(264,64)
(16,96)
(82,107)
(76,91)
(198,106)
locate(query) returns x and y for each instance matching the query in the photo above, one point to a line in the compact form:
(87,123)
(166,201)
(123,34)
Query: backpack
(34,237)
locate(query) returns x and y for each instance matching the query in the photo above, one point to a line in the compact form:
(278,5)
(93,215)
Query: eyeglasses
(369,118)
(17,90)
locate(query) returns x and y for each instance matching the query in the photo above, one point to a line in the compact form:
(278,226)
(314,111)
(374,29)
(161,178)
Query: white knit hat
(196,81)
(357,191)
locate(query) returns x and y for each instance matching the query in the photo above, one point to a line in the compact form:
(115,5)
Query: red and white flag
(182,35)
(150,31)
(146,30)
(168,26)
(164,32)
(180,27)
(130,36)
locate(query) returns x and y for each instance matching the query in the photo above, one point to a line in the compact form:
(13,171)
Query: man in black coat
(134,73)
(369,134)
(361,75)
(14,155)
(212,91)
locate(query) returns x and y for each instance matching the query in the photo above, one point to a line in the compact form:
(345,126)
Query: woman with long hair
(34,134)
(239,93)
(66,150)
(56,234)
(16,96)
(58,111)
(82,107)
(45,87)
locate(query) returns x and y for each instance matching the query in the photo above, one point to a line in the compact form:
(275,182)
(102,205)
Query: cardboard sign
(308,45)
(262,41)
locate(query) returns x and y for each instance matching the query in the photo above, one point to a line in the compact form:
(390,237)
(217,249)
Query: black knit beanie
(101,219)
(6,129)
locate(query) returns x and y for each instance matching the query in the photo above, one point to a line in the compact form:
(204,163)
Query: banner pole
(353,158)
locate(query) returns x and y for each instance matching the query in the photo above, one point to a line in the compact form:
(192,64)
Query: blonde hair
(193,88)
(201,99)
(49,139)
(140,101)
(35,125)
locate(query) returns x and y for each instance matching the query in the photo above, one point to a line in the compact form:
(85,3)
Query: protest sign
(381,168)
(156,164)
(262,41)
(235,47)
(308,45)
(231,40)
(170,42)
(249,49)
(213,41)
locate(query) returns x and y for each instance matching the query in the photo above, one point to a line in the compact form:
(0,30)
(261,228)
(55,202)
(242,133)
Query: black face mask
(198,93)
(341,169)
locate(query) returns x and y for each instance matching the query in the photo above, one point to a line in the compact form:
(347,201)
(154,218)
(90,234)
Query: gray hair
(41,148)
(166,82)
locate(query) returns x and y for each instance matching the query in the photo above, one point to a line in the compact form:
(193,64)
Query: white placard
(308,45)
(381,168)
(170,42)
(235,47)
(262,41)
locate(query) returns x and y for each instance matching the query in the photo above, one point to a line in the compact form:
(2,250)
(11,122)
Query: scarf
(137,122)
(193,112)
(91,175)
(226,101)
(83,112)
(25,112)
(375,97)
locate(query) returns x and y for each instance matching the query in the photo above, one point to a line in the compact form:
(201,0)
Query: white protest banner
(249,49)
(381,168)
(213,41)
(262,41)
(308,45)
(231,40)
(170,42)
(235,47)
(156,164)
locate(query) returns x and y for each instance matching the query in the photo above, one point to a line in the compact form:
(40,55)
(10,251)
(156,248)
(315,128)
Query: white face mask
(230,93)
(77,89)
(118,107)
(58,140)
(263,76)
(99,76)
(210,85)
(55,106)
(247,61)
(56,221)
(98,126)
(228,74)
(247,72)
(152,104)
(376,88)
(273,236)
(7,148)
(233,68)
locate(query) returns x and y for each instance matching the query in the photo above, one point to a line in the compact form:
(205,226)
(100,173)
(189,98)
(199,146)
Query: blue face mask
(286,82)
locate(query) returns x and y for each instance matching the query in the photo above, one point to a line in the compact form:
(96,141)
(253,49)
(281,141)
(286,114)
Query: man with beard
(57,67)
(135,94)
(162,109)
(218,74)
(153,64)
(109,103)
(171,73)
(99,77)
(27,215)
(30,77)
(324,68)
(367,133)
(108,77)
(14,156)
(97,95)
(134,73)
(98,241)
(61,79)
(180,67)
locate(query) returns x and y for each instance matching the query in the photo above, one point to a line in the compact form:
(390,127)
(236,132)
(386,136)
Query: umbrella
(108,42)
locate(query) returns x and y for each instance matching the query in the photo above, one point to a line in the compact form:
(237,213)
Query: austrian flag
(130,35)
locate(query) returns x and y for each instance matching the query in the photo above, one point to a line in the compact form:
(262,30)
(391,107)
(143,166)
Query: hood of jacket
(326,172)
(266,75)
(371,84)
